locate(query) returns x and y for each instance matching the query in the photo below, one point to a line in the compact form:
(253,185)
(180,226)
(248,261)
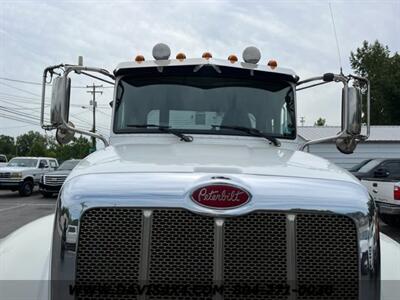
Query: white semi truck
(202,192)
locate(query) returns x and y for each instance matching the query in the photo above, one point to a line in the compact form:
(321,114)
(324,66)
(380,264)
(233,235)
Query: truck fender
(25,261)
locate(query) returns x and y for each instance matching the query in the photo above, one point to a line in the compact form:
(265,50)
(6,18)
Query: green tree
(7,146)
(78,148)
(383,70)
(31,143)
(320,122)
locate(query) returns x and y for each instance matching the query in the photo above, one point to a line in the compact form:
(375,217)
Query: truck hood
(252,159)
(16,169)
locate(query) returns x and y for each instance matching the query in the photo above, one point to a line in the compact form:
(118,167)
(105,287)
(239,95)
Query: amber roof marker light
(161,51)
(139,58)
(251,55)
(272,63)
(233,58)
(181,56)
(207,55)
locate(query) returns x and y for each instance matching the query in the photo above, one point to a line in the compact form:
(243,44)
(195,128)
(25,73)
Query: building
(384,142)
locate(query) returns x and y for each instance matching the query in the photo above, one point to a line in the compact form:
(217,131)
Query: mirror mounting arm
(68,69)
(78,69)
(329,77)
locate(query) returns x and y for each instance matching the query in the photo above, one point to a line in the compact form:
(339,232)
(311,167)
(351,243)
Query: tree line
(376,62)
(34,143)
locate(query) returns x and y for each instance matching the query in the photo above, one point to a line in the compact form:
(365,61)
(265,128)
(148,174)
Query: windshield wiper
(250,131)
(167,129)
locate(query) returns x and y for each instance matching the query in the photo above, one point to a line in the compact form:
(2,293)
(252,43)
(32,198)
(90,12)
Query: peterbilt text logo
(220,196)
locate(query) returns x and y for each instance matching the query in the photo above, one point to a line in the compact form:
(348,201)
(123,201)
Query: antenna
(336,38)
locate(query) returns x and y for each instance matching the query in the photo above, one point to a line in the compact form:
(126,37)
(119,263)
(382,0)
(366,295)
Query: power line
(14,127)
(21,90)
(39,84)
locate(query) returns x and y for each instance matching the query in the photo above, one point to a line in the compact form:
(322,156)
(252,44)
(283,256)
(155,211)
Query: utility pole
(302,121)
(93,102)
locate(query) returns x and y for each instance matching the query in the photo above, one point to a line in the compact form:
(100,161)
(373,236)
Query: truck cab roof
(126,67)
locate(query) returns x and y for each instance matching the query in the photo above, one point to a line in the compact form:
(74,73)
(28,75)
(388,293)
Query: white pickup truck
(382,178)
(23,173)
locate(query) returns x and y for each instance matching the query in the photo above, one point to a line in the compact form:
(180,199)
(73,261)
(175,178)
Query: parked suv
(51,182)
(382,178)
(23,173)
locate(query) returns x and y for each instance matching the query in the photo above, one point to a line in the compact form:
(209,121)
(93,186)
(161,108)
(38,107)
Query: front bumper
(10,184)
(388,208)
(49,188)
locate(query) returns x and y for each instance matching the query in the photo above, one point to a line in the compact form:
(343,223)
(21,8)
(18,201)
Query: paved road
(16,211)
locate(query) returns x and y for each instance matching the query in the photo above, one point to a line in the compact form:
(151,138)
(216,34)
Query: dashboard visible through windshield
(205,105)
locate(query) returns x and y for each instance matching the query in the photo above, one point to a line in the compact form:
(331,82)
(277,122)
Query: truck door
(390,170)
(43,168)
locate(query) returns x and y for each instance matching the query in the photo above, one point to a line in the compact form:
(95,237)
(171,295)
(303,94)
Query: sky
(298,34)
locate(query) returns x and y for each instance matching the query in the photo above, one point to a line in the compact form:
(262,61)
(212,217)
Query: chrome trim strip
(145,249)
(291,254)
(218,254)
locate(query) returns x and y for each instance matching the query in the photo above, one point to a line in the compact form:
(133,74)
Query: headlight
(16,175)
(42,179)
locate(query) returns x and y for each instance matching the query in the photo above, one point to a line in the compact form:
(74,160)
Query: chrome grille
(109,251)
(327,255)
(55,180)
(5,175)
(182,249)
(254,255)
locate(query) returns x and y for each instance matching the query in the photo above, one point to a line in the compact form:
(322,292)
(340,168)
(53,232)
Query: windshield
(23,162)
(369,166)
(359,165)
(68,165)
(205,105)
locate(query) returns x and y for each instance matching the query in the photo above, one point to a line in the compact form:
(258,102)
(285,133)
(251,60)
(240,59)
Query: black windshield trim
(147,73)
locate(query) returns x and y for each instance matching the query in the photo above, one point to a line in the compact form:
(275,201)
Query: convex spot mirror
(354,111)
(346,145)
(60,96)
(65,135)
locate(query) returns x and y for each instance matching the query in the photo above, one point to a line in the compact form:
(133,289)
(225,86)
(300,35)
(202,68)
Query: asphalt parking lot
(16,211)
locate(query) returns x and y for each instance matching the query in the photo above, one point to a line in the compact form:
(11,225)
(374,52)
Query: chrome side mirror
(60,95)
(352,112)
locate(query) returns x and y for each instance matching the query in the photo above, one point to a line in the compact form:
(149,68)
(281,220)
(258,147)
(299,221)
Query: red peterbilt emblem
(221,196)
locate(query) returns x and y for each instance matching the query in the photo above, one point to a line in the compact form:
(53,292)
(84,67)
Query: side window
(393,167)
(43,164)
(53,164)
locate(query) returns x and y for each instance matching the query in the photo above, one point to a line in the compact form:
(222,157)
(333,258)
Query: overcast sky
(298,34)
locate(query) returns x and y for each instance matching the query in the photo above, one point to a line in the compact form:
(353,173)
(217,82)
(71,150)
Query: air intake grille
(327,255)
(182,248)
(5,175)
(254,255)
(109,251)
(54,180)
